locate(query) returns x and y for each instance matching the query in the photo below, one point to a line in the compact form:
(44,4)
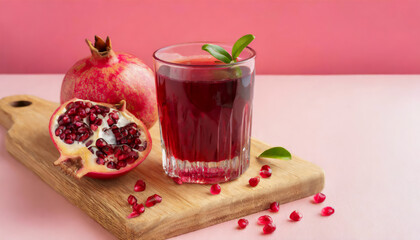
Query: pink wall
(293,36)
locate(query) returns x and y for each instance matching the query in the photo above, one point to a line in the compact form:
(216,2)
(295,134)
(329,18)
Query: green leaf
(217,52)
(239,45)
(276,152)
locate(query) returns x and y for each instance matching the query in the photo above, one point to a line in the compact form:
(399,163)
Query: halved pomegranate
(98,140)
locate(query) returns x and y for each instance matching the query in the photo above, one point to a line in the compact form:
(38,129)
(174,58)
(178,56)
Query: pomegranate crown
(100,48)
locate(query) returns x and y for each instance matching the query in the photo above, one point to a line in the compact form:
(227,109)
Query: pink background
(293,36)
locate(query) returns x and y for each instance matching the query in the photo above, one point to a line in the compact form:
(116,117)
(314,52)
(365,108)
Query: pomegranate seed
(68,141)
(91,149)
(242,223)
(89,143)
(152,200)
(66,119)
(265,171)
(105,109)
(132,200)
(72,111)
(92,117)
(100,143)
(100,154)
(72,136)
(296,216)
(114,115)
(138,208)
(140,186)
(110,121)
(264,219)
(319,198)
(58,132)
(215,189)
(254,181)
(269,228)
(83,137)
(141,148)
(77,119)
(126,148)
(93,127)
(122,157)
(177,180)
(70,105)
(108,150)
(133,215)
(78,124)
(130,160)
(111,165)
(82,113)
(121,164)
(327,211)
(100,161)
(274,207)
(98,121)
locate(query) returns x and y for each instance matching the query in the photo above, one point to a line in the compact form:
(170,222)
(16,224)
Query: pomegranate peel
(108,76)
(92,146)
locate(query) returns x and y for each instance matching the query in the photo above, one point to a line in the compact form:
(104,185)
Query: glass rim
(253,55)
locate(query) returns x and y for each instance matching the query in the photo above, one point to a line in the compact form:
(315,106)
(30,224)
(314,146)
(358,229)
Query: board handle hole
(21,103)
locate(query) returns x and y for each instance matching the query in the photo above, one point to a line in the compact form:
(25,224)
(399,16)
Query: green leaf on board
(277,153)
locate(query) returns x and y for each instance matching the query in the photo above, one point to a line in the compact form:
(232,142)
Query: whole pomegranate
(98,140)
(110,77)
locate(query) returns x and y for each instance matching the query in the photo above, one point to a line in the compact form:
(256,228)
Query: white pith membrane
(76,159)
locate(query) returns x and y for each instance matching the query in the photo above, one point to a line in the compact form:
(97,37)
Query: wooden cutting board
(184,208)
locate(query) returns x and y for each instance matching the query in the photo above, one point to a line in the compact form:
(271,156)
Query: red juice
(205,114)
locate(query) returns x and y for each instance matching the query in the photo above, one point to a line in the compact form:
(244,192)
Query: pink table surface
(363,130)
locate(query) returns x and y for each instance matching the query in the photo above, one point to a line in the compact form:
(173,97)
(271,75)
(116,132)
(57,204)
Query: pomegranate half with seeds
(98,140)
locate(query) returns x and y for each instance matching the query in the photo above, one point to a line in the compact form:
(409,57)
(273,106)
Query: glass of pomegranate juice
(205,112)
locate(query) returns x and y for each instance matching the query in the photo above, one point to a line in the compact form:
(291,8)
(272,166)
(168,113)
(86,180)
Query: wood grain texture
(184,208)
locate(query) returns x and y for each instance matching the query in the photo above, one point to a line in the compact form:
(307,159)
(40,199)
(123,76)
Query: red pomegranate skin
(111,77)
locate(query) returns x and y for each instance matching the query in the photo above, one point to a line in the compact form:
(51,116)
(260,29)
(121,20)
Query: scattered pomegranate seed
(296,216)
(265,171)
(269,228)
(140,186)
(254,181)
(242,223)
(153,200)
(274,207)
(215,189)
(138,208)
(319,198)
(264,219)
(177,180)
(327,211)
(133,215)
(132,200)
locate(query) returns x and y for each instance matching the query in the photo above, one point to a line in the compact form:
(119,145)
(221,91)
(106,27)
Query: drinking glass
(205,112)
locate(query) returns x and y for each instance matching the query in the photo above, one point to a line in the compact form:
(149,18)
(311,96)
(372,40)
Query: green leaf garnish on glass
(222,55)
(277,153)
(217,52)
